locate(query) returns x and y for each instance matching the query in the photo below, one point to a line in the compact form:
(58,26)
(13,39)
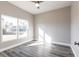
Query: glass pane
(9,25)
(23,28)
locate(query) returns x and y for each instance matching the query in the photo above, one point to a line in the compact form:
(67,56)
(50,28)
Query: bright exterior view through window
(13,28)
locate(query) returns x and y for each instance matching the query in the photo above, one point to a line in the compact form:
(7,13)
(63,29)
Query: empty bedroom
(39,28)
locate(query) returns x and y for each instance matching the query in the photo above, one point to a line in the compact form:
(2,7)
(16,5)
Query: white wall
(56,24)
(11,10)
(75,27)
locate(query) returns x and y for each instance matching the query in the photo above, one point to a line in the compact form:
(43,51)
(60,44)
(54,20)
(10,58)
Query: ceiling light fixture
(37,3)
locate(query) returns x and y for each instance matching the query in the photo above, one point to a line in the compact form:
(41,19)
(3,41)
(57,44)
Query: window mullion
(17,27)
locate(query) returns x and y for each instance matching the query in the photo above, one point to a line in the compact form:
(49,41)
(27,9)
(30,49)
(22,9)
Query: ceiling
(44,6)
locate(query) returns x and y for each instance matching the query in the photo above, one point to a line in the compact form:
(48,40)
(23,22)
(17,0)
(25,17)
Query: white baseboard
(74,52)
(59,43)
(14,45)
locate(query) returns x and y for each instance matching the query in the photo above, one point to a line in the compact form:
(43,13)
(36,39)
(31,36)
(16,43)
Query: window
(9,28)
(23,28)
(13,28)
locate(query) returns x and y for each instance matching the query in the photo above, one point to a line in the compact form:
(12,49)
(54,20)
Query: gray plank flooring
(41,50)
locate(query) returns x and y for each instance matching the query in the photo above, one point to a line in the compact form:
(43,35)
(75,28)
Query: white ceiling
(44,6)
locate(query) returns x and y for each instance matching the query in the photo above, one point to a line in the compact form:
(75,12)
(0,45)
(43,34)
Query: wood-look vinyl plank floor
(41,50)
